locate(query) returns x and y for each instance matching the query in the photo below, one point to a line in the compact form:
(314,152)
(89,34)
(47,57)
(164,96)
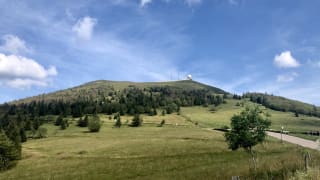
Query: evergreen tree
(59,120)
(9,152)
(23,135)
(64,124)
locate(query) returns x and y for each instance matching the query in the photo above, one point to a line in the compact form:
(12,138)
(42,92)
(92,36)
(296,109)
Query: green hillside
(103,87)
(279,103)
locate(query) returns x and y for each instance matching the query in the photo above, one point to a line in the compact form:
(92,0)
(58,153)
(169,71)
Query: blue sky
(238,45)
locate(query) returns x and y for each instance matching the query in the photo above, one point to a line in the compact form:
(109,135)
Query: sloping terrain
(102,87)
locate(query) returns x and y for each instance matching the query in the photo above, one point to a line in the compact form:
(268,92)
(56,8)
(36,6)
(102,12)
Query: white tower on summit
(189,77)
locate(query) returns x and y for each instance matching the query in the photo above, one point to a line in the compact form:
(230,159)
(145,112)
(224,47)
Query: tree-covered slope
(279,103)
(96,89)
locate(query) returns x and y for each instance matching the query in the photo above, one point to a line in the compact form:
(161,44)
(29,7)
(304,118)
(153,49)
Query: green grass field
(221,117)
(148,152)
(179,150)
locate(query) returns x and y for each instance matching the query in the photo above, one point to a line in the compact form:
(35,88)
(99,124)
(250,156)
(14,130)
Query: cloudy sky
(238,45)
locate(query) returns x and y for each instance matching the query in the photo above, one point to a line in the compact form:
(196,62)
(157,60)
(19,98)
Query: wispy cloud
(193,2)
(84,27)
(314,63)
(288,77)
(145,2)
(14,45)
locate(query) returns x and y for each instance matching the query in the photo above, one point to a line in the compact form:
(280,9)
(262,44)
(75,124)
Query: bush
(64,124)
(40,133)
(94,124)
(136,121)
(117,121)
(162,123)
(83,122)
(9,152)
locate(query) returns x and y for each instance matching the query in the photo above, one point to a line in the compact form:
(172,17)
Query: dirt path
(296,140)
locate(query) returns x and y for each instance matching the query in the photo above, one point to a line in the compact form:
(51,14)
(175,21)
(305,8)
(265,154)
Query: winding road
(296,140)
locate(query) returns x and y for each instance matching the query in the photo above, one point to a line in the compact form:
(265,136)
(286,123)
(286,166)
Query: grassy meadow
(222,114)
(178,150)
(148,152)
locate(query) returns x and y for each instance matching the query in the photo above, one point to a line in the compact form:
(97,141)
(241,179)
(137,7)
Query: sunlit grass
(147,152)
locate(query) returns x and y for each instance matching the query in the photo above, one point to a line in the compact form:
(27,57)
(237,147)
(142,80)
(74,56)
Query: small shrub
(83,122)
(64,124)
(94,124)
(117,121)
(136,121)
(40,133)
(162,123)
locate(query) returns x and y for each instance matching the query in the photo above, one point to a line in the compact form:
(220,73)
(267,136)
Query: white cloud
(286,60)
(21,72)
(84,27)
(13,44)
(193,2)
(144,2)
(289,77)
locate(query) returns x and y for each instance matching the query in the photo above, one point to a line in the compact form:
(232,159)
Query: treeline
(282,104)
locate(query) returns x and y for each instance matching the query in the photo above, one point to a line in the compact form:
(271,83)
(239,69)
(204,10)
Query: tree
(64,124)
(136,121)
(117,120)
(247,130)
(58,120)
(9,152)
(94,124)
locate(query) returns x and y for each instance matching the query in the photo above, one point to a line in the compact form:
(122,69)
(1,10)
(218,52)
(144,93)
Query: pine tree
(64,124)
(59,120)
(9,152)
